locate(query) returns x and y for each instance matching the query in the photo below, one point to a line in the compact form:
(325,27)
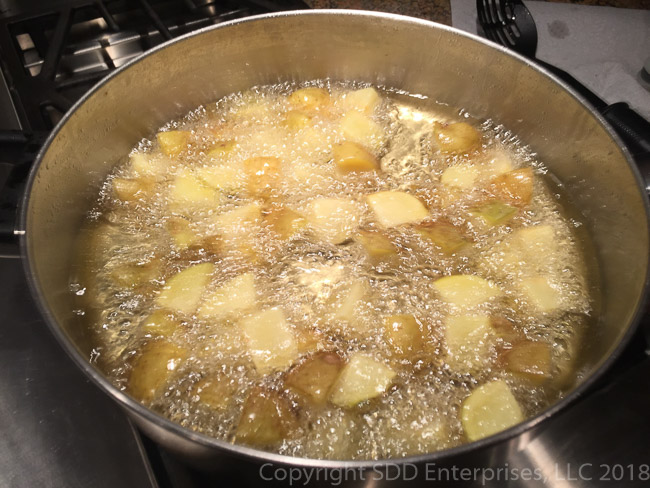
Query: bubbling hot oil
(306,276)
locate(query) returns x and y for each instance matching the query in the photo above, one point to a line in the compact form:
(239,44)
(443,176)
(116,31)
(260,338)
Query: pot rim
(135,407)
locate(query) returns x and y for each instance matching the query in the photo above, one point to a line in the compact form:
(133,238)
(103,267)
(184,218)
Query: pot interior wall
(411,55)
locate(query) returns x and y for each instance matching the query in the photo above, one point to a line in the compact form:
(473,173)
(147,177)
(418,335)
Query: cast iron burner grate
(53,53)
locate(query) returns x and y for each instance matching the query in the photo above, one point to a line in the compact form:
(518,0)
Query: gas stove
(58,429)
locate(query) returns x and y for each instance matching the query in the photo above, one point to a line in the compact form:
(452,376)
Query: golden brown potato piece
(314,377)
(443,235)
(133,189)
(216,391)
(262,174)
(153,367)
(403,334)
(173,142)
(530,360)
(514,187)
(285,222)
(353,157)
(377,245)
(266,419)
(159,323)
(310,98)
(220,150)
(456,138)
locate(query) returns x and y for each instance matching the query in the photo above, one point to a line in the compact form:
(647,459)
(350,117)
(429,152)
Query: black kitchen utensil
(509,23)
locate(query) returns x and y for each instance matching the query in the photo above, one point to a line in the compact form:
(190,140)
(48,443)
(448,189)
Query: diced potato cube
(189,192)
(466,291)
(285,222)
(352,157)
(181,231)
(153,367)
(134,275)
(468,339)
(539,293)
(499,162)
(535,241)
(348,306)
(233,297)
(358,127)
(216,391)
(221,150)
(393,208)
(159,323)
(314,377)
(505,329)
(443,235)
(334,219)
(530,360)
(297,119)
(184,290)
(270,340)
(132,189)
(224,178)
(361,379)
(514,187)
(262,175)
(457,137)
(311,97)
(403,333)
(376,244)
(364,100)
(173,142)
(489,409)
(461,176)
(238,222)
(267,419)
(149,165)
(495,213)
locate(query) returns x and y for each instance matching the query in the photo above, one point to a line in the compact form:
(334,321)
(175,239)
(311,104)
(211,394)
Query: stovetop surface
(58,429)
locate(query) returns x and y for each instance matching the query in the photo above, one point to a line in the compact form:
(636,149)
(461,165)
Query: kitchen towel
(603,47)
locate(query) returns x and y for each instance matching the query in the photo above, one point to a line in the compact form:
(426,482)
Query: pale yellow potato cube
(466,291)
(183,291)
(334,219)
(462,176)
(149,165)
(297,119)
(172,142)
(535,241)
(468,339)
(539,293)
(238,222)
(499,162)
(285,222)
(132,189)
(352,157)
(358,127)
(190,193)
(180,229)
(311,97)
(235,296)
(393,208)
(364,100)
(225,178)
(270,340)
(489,409)
(347,308)
(361,379)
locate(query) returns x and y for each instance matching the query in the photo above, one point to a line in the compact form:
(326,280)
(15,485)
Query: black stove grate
(52,54)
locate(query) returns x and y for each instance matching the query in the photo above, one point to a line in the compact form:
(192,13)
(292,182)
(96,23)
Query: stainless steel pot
(418,56)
